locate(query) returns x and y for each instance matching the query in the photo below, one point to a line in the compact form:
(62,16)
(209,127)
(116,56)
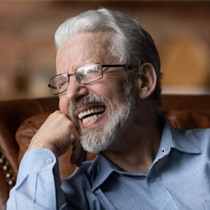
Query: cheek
(112,92)
(63,105)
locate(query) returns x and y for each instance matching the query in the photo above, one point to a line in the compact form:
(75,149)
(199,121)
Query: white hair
(100,20)
(129,42)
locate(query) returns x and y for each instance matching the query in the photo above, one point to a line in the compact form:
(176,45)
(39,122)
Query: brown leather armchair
(12,115)
(20,119)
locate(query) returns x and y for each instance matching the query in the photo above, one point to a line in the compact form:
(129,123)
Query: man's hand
(57,134)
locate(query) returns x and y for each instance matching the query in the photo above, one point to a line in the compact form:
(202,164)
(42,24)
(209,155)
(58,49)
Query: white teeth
(89,119)
(94,111)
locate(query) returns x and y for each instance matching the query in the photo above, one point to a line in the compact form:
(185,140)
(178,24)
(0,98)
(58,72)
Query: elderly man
(108,82)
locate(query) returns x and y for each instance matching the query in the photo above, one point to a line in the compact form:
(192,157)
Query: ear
(147,80)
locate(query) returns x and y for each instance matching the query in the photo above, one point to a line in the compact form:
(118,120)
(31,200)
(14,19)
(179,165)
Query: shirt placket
(161,195)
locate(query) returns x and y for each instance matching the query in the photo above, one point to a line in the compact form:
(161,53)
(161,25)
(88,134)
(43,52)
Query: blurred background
(181,30)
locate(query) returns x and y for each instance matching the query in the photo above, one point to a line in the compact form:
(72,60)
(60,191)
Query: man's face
(100,109)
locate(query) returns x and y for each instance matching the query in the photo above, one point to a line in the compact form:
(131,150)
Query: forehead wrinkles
(82,49)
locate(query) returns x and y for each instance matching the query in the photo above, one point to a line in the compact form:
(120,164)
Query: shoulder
(200,137)
(197,138)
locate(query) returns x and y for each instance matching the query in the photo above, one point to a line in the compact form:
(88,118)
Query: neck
(136,148)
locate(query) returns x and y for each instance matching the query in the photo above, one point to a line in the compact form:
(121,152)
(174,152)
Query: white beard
(99,138)
(96,140)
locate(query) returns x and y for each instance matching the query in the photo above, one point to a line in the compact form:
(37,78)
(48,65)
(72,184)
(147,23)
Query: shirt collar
(178,139)
(100,171)
(181,140)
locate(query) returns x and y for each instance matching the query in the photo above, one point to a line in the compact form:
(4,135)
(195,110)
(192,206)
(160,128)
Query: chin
(93,146)
(96,142)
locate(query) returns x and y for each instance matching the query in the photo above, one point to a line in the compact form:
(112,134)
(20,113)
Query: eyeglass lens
(84,75)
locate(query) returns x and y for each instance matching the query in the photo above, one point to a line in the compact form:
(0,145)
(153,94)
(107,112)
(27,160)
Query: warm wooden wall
(181,30)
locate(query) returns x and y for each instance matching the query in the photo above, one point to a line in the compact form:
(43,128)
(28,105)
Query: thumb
(78,154)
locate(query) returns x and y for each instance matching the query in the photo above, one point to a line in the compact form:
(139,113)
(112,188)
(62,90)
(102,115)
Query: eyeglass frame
(74,74)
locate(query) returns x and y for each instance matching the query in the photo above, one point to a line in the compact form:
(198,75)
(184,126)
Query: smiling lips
(90,115)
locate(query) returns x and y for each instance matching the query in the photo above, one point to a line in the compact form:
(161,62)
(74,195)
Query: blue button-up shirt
(179,178)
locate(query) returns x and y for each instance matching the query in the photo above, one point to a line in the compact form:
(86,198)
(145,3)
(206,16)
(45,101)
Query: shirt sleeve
(38,183)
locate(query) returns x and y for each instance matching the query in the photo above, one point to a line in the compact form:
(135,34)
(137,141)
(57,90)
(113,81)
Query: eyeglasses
(86,74)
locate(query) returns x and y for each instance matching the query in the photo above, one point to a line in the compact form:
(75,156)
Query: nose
(75,90)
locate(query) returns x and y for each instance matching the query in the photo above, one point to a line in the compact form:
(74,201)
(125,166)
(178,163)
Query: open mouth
(90,115)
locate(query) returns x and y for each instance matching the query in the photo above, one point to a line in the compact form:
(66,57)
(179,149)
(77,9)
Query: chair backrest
(12,115)
(19,120)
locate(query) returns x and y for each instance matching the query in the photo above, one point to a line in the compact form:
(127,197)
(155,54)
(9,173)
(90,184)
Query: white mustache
(83,101)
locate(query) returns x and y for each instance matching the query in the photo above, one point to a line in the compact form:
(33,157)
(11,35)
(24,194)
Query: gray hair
(130,43)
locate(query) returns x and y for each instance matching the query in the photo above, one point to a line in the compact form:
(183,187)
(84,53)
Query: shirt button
(151,178)
(49,160)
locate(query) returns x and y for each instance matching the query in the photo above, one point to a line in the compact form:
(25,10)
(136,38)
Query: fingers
(79,155)
(57,134)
